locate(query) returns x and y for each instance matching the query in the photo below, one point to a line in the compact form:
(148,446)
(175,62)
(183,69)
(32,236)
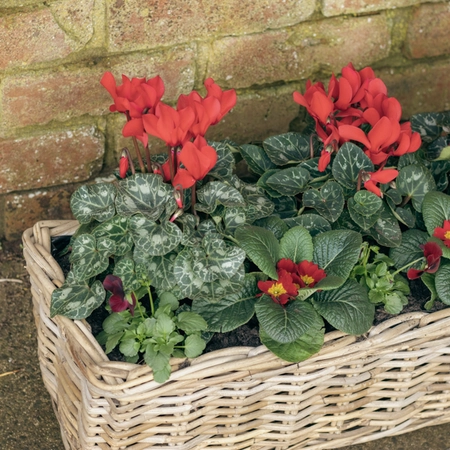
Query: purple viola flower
(118,300)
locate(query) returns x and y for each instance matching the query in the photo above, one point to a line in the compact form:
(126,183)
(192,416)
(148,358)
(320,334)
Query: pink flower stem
(171,162)
(130,160)
(149,159)
(311,147)
(193,200)
(358,184)
(138,154)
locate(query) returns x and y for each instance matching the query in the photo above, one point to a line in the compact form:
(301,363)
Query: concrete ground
(27,421)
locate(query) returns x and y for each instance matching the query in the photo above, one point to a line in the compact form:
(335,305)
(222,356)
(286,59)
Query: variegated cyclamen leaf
(90,256)
(415,181)
(289,181)
(314,223)
(428,125)
(192,286)
(158,269)
(273,223)
(262,183)
(366,203)
(153,238)
(233,310)
(233,217)
(312,166)
(217,193)
(77,301)
(144,193)
(93,202)
(284,207)
(386,230)
(225,164)
(256,158)
(125,270)
(347,164)
(117,230)
(328,201)
(363,221)
(287,148)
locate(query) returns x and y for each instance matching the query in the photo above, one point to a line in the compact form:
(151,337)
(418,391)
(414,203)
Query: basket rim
(36,245)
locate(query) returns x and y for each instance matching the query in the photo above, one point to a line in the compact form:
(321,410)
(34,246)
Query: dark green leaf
(296,245)
(409,250)
(328,201)
(289,181)
(314,223)
(442,284)
(116,229)
(287,148)
(218,193)
(256,158)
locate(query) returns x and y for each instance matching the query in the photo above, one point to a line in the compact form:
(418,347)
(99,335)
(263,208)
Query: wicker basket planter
(395,380)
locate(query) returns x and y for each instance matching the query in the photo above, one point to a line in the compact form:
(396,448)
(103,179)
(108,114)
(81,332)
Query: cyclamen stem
(139,156)
(170,152)
(149,159)
(193,200)
(130,160)
(358,184)
(405,201)
(408,265)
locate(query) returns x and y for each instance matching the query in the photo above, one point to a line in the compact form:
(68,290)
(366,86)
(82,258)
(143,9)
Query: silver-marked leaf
(386,230)
(328,201)
(287,148)
(302,348)
(435,209)
(403,215)
(233,218)
(364,221)
(262,182)
(429,125)
(144,193)
(409,250)
(125,270)
(312,166)
(217,193)
(314,223)
(285,207)
(256,158)
(347,308)
(225,164)
(93,202)
(77,301)
(233,310)
(285,323)
(296,245)
(116,229)
(366,203)
(158,269)
(415,181)
(90,256)
(152,238)
(289,181)
(261,246)
(347,164)
(337,251)
(216,260)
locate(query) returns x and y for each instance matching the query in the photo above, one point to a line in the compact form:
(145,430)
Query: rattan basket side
(394,380)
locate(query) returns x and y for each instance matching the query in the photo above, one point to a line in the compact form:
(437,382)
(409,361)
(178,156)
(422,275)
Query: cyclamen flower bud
(124,164)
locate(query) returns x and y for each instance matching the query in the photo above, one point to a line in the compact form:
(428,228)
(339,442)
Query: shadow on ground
(27,421)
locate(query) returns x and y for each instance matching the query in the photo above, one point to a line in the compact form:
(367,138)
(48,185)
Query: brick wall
(55,128)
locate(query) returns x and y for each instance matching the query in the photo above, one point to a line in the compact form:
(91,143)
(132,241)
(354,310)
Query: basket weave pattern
(394,380)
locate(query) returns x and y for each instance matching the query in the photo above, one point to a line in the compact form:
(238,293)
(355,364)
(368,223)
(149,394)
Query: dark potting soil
(247,335)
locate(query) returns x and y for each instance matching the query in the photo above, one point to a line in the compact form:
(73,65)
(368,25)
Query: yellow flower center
(307,279)
(447,235)
(276,290)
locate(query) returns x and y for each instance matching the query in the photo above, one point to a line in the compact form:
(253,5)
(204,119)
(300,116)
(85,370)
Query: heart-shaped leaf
(93,202)
(287,148)
(218,193)
(364,221)
(144,193)
(386,230)
(117,230)
(77,301)
(348,163)
(273,223)
(347,308)
(366,203)
(314,223)
(223,170)
(152,238)
(289,181)
(328,201)
(125,270)
(256,158)
(415,181)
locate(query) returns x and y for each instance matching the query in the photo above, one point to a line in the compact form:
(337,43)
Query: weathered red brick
(339,7)
(143,24)
(41,98)
(29,38)
(23,210)
(50,159)
(421,88)
(428,31)
(292,55)
(257,116)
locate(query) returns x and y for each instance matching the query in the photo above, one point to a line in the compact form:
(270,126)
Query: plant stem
(193,200)
(170,151)
(408,265)
(152,306)
(130,160)
(139,156)
(405,201)
(149,160)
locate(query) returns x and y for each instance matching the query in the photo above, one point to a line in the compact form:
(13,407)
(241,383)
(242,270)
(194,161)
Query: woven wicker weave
(395,380)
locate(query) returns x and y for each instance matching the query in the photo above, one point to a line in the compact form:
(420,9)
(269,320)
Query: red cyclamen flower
(432,253)
(281,290)
(118,301)
(372,179)
(227,99)
(443,233)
